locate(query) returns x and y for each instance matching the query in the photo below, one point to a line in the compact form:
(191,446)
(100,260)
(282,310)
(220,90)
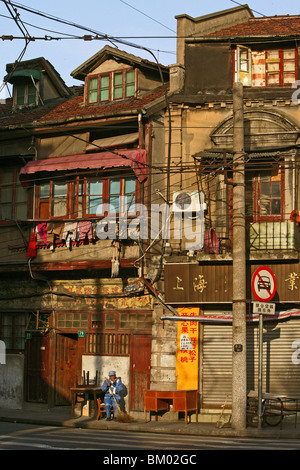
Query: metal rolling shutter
(217,365)
(281,365)
(281,361)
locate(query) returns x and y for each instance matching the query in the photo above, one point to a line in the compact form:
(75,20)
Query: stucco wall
(11,382)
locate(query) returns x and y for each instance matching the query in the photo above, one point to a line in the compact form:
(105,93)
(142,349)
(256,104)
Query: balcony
(283,236)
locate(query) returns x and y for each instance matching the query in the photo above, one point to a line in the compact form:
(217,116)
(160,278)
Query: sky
(144,26)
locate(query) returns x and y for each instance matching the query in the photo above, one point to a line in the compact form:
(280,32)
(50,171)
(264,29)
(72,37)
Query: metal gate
(281,360)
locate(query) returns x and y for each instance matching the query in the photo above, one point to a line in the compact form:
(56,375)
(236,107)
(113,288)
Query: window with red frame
(273,67)
(265,194)
(13,197)
(111,86)
(86,197)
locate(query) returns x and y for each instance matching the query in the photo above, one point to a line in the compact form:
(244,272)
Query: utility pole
(239,356)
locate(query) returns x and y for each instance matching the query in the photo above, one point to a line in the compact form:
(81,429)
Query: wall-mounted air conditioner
(188,201)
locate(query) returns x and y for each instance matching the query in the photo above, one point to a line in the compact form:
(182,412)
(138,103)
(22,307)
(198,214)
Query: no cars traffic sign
(263,284)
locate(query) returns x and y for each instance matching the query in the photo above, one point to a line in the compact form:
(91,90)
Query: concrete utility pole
(239,357)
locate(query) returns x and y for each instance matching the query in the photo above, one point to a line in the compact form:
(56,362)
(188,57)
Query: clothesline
(67,232)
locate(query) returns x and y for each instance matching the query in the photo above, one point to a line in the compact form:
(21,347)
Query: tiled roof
(265,26)
(71,109)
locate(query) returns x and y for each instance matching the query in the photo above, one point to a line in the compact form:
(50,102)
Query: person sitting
(112,387)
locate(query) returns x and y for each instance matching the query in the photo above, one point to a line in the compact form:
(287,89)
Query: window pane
(130,83)
(44,190)
(92,93)
(31,94)
(276,207)
(118,85)
(129,192)
(104,88)
(59,199)
(95,197)
(114,186)
(265,188)
(7,175)
(21,203)
(244,61)
(20,94)
(110,320)
(60,190)
(276,189)
(114,195)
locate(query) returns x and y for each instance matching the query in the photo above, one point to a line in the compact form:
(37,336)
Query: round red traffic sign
(263,284)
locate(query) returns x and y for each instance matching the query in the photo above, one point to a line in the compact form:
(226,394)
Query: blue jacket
(111,387)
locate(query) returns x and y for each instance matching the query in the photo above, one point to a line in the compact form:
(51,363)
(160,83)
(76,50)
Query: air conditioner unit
(188,201)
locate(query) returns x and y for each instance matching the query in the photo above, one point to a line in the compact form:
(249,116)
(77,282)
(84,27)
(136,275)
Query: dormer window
(25,94)
(111,86)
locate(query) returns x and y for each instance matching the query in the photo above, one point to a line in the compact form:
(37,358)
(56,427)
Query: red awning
(135,158)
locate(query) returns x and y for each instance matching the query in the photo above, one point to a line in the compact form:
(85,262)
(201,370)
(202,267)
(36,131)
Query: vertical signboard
(187,354)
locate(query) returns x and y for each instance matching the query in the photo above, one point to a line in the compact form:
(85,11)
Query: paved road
(15,436)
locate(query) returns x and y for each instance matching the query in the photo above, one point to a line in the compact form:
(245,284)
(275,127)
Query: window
(93,90)
(84,197)
(53,200)
(243,66)
(94,197)
(274,67)
(25,94)
(112,86)
(265,194)
(13,197)
(104,88)
(72,320)
(12,330)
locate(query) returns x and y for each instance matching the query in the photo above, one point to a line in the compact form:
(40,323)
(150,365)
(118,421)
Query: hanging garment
(84,230)
(69,233)
(31,249)
(42,231)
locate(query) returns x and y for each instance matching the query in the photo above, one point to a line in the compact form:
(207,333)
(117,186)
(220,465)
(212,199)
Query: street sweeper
(112,387)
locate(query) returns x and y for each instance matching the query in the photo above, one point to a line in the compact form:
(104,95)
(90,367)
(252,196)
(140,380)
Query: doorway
(66,366)
(140,370)
(37,372)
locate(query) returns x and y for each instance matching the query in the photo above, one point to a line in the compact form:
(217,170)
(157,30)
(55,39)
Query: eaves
(81,120)
(243,39)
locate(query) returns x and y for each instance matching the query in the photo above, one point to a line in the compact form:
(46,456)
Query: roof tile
(266,26)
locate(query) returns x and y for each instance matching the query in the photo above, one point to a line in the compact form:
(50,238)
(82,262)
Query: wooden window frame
(253,185)
(237,71)
(111,87)
(13,203)
(50,199)
(26,94)
(258,217)
(73,195)
(13,329)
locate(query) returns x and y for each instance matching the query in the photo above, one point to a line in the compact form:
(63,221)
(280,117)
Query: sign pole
(264,289)
(260,367)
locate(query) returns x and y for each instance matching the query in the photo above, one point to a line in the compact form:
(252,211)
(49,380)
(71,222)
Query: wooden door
(66,367)
(37,368)
(140,370)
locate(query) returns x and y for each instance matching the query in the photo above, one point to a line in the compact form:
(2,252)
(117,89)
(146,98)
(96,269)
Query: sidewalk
(61,416)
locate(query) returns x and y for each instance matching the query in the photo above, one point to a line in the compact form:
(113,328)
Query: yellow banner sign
(187,354)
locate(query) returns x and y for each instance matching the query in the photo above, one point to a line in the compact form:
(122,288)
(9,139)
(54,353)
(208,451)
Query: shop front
(205,292)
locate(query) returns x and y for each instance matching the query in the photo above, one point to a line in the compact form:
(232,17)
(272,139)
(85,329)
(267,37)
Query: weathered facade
(262,53)
(71,295)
